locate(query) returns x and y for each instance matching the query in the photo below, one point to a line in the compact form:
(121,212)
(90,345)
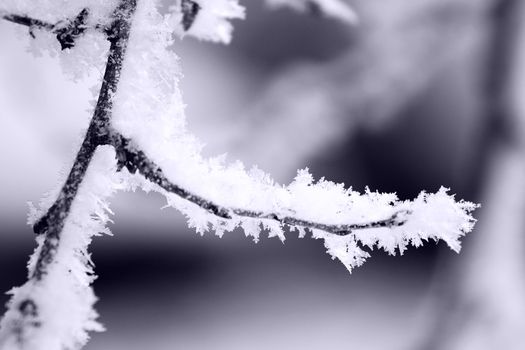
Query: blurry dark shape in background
(420,94)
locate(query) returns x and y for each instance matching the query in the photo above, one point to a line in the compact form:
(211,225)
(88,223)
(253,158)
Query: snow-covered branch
(66,31)
(136,160)
(28,323)
(27,21)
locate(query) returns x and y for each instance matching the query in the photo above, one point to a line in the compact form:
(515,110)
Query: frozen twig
(66,31)
(52,223)
(27,21)
(136,160)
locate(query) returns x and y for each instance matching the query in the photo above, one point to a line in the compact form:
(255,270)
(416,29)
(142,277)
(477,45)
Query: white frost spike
(332,8)
(343,248)
(252,228)
(212,21)
(63,300)
(274,229)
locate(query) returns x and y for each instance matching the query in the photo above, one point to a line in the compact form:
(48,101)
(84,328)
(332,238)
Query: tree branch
(134,160)
(66,31)
(28,21)
(53,221)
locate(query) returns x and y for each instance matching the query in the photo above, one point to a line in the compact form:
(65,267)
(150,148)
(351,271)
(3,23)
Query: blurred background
(419,94)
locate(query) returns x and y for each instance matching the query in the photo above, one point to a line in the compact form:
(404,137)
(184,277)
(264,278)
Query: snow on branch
(28,21)
(341,217)
(203,19)
(136,160)
(54,308)
(66,31)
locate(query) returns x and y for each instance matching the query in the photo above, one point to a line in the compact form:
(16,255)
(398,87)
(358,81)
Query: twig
(52,222)
(134,160)
(28,21)
(66,31)
(69,31)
